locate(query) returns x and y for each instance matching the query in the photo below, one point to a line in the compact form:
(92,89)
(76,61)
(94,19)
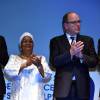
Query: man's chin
(77,32)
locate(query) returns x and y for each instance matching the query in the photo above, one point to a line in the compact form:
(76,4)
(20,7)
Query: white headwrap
(25,34)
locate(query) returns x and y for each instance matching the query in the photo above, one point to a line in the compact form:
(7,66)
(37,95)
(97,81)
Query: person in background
(98,67)
(27,71)
(71,54)
(3,60)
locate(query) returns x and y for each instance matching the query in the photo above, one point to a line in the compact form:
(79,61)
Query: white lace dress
(28,84)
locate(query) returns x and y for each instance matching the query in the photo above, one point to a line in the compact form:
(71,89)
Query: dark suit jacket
(98,67)
(60,58)
(3,61)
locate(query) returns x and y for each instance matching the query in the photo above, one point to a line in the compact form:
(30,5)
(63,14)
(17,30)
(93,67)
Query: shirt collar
(68,36)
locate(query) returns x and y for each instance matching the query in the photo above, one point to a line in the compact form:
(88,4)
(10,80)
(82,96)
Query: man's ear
(66,26)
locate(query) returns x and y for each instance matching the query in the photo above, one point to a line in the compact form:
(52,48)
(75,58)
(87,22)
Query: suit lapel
(65,42)
(81,38)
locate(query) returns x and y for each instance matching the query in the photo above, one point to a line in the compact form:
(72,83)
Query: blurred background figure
(3,60)
(27,71)
(98,67)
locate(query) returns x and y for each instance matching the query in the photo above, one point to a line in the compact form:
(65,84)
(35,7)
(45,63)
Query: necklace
(24,57)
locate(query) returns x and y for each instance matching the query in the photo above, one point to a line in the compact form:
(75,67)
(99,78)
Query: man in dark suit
(3,61)
(71,54)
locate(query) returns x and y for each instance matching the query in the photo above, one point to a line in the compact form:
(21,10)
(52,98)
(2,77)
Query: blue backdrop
(43,19)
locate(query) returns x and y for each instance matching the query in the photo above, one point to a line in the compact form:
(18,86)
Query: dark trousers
(99,93)
(1,97)
(69,99)
(72,94)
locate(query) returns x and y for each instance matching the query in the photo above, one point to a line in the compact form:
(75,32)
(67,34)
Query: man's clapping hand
(76,49)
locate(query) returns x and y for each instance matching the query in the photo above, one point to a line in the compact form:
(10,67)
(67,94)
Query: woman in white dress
(27,71)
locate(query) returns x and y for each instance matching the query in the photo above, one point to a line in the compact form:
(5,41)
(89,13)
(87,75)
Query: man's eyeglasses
(74,22)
